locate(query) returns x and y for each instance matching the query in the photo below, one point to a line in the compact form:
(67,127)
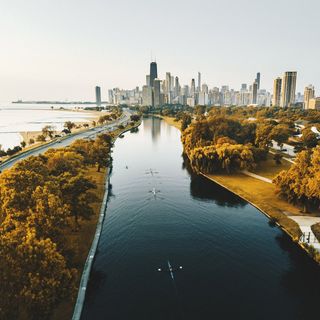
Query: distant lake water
(16,118)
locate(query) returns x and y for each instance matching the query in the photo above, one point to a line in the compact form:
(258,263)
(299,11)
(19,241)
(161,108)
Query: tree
(69,125)
(33,274)
(186,120)
(23,144)
(41,138)
(135,117)
(263,138)
(48,131)
(292,184)
(280,134)
(31,141)
(75,191)
(309,138)
(63,160)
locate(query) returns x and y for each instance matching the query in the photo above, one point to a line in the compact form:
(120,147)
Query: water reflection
(153,125)
(204,189)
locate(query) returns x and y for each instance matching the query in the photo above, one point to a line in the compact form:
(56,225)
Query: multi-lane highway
(63,142)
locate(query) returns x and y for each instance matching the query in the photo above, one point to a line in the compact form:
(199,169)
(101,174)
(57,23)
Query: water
(16,118)
(235,265)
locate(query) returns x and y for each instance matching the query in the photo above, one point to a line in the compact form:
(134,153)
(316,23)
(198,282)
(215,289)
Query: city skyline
(82,45)
(158,92)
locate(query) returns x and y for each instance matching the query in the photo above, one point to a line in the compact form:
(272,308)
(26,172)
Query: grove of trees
(42,199)
(301,183)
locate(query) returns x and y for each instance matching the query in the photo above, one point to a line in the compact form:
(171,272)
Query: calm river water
(235,265)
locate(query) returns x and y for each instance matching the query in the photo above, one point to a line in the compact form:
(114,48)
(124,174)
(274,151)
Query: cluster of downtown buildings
(157,93)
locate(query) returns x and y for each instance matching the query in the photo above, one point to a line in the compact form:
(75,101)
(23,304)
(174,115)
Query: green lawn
(269,169)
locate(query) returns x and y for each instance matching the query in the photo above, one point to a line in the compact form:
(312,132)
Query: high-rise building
(258,80)
(288,92)
(254,92)
(193,88)
(98,95)
(244,87)
(156,93)
(199,82)
(176,87)
(314,103)
(308,94)
(204,88)
(110,96)
(153,73)
(168,83)
(276,99)
(147,96)
(148,80)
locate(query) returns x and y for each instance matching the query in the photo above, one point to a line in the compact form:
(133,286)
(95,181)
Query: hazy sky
(61,49)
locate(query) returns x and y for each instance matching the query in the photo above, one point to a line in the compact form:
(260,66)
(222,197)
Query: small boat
(171,270)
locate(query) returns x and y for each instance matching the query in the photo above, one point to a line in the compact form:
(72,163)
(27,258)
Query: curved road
(89,134)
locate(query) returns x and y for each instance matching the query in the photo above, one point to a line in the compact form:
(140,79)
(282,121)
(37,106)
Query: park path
(256,176)
(304,222)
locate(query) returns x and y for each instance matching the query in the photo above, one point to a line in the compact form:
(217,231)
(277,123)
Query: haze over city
(60,50)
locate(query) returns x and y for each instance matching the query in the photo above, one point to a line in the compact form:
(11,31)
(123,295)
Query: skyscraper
(168,83)
(288,93)
(156,93)
(258,80)
(176,87)
(148,80)
(199,81)
(277,85)
(153,73)
(110,95)
(193,88)
(98,95)
(254,92)
(147,96)
(308,94)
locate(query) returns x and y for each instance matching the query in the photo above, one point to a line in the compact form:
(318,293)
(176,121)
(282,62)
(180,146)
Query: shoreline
(267,213)
(26,135)
(270,217)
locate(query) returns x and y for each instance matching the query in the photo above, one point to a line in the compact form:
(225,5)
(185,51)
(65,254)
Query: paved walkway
(305,224)
(256,176)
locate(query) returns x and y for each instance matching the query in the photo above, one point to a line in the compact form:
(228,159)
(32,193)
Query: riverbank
(171,121)
(81,240)
(262,195)
(87,238)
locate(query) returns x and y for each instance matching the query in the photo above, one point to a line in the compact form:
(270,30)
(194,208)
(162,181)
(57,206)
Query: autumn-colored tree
(63,160)
(33,274)
(293,183)
(280,134)
(309,139)
(263,138)
(76,193)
